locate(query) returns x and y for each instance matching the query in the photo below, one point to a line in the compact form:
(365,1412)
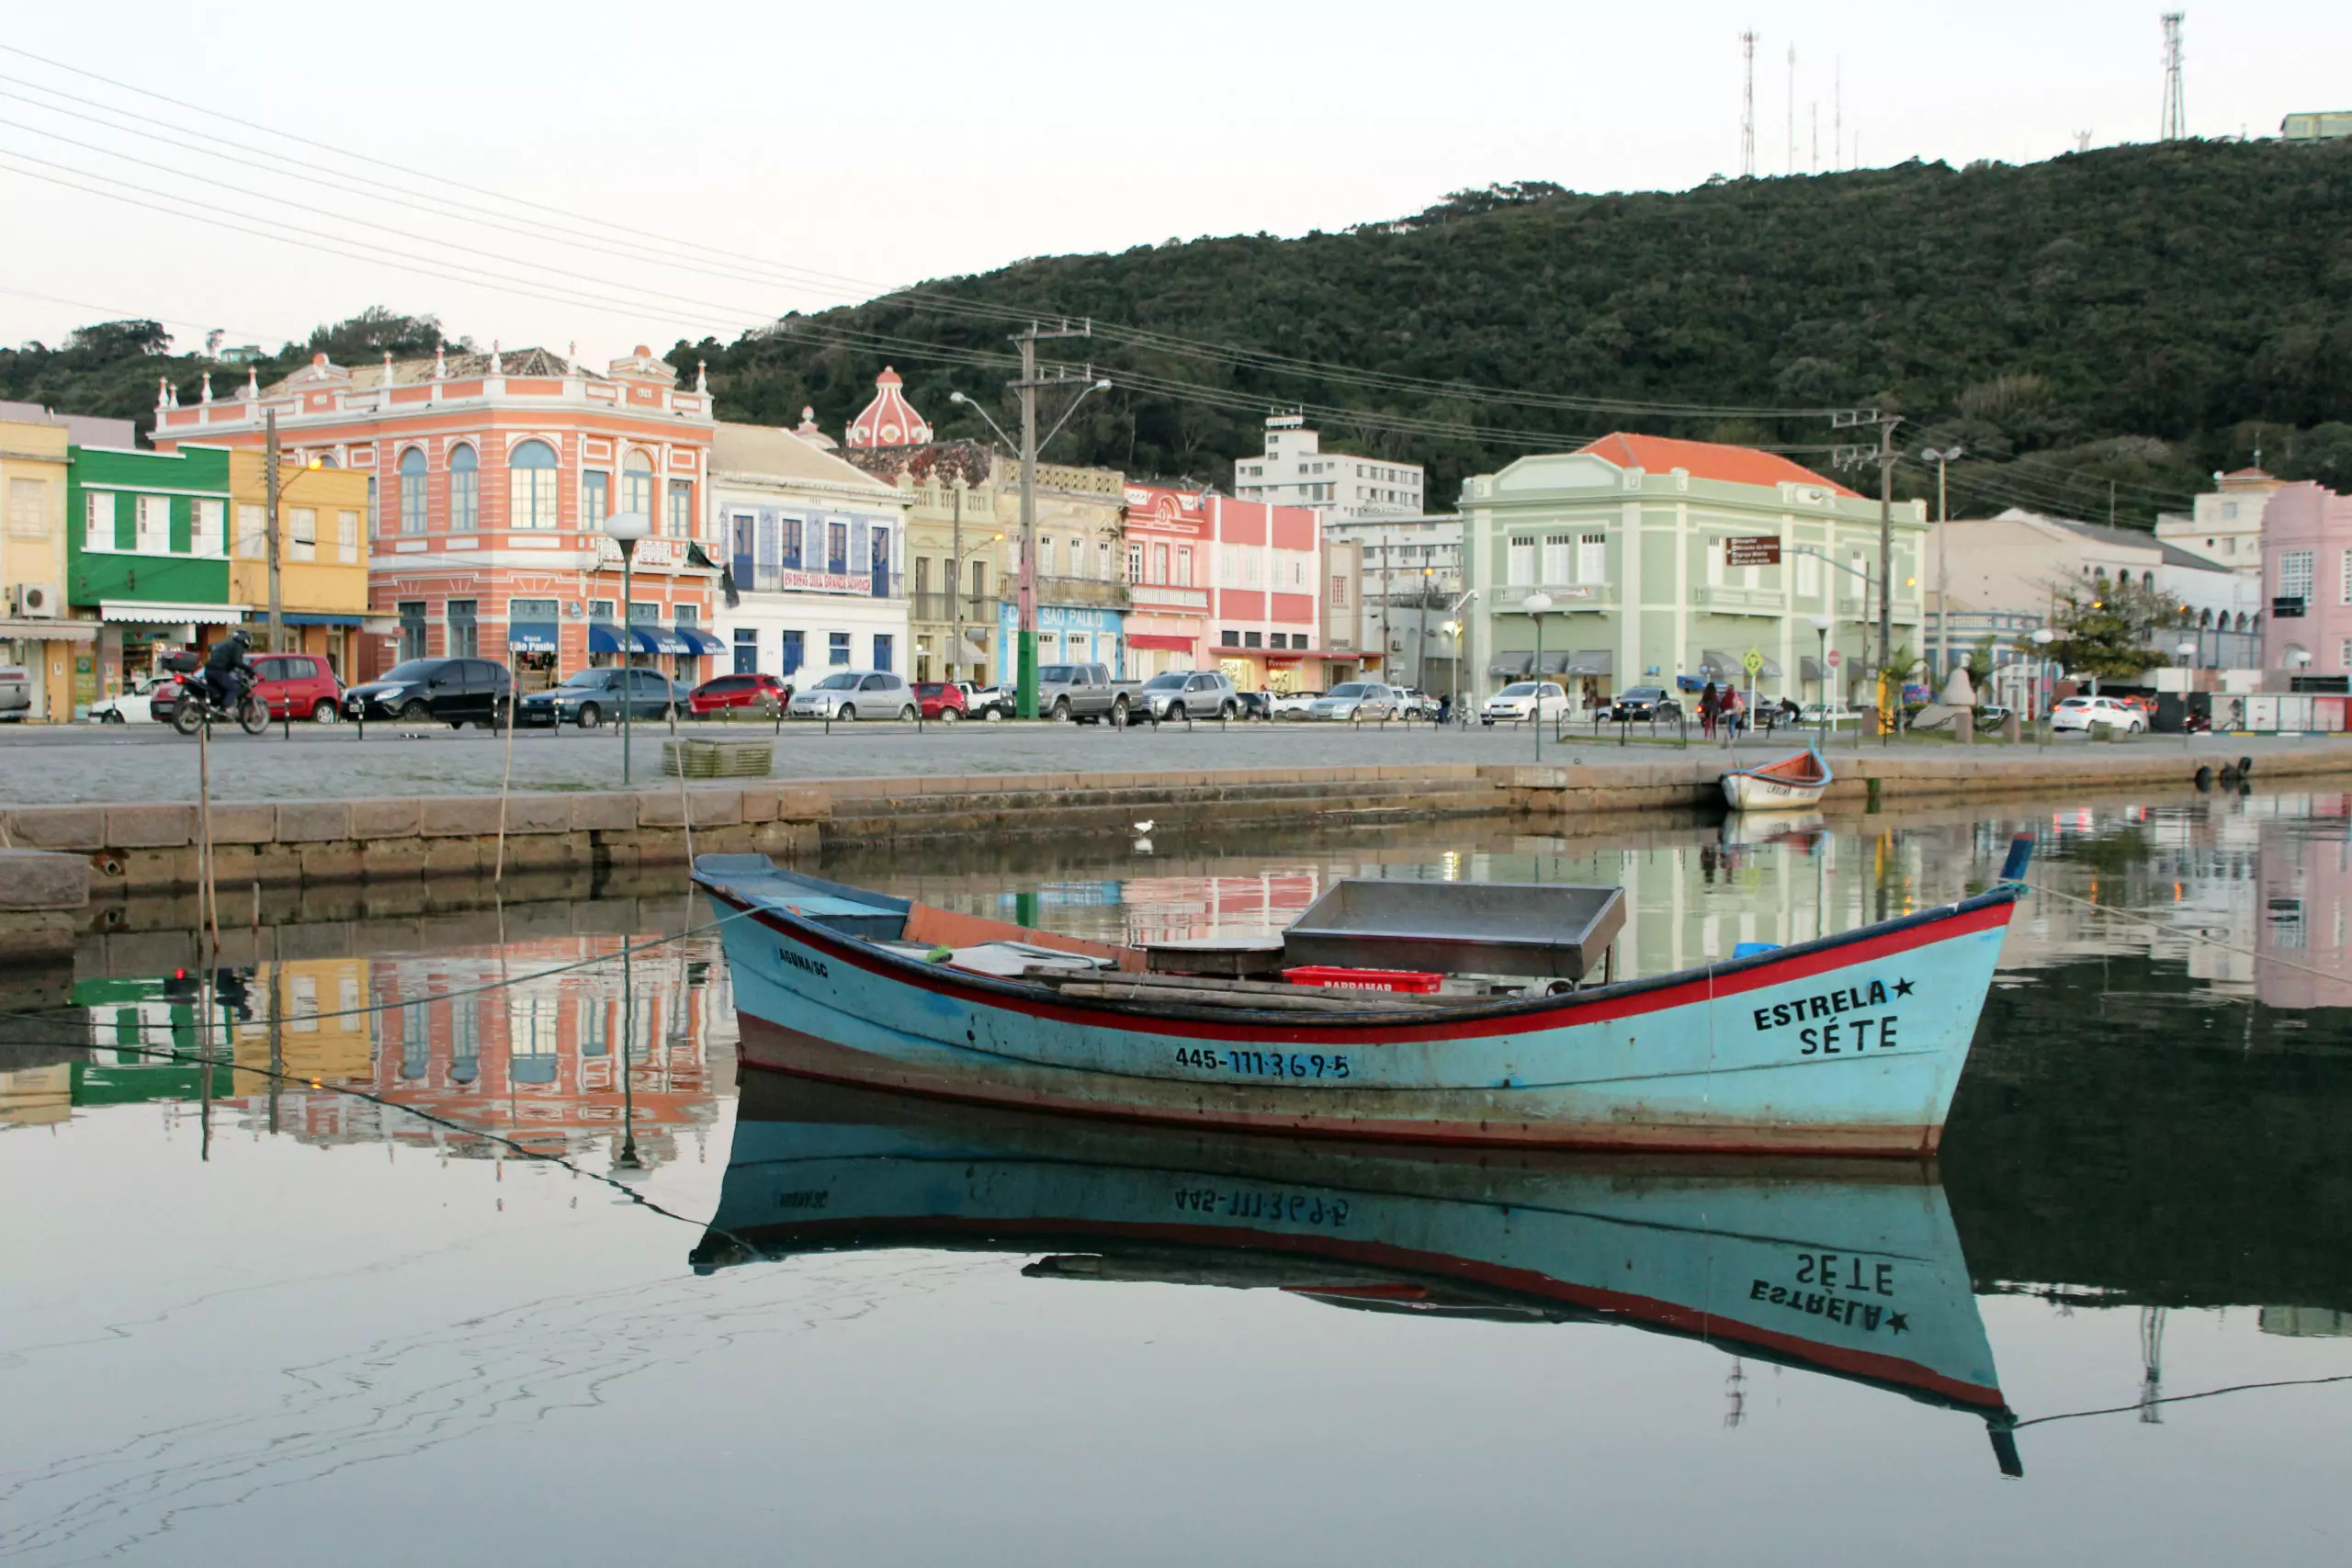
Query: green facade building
(1632,540)
(147,551)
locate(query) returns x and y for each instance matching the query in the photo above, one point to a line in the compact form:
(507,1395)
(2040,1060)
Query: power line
(917,296)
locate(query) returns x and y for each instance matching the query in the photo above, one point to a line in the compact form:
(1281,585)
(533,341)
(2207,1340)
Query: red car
(941,700)
(296,686)
(761,694)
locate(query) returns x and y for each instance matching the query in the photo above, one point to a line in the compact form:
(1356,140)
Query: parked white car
(1364,701)
(15,693)
(136,705)
(1295,704)
(848,694)
(1524,700)
(2081,713)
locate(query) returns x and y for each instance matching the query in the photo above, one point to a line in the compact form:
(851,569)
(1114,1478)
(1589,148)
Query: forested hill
(2140,314)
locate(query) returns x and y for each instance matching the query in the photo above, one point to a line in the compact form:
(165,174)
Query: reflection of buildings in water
(32,1097)
(2307,1323)
(2197,883)
(481,1039)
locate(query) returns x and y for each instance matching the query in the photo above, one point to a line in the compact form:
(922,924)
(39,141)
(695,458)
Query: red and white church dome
(889,420)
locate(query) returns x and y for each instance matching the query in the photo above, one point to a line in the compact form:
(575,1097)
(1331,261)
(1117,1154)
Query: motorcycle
(198,706)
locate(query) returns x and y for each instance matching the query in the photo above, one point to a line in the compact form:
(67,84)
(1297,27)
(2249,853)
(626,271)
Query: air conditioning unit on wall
(36,602)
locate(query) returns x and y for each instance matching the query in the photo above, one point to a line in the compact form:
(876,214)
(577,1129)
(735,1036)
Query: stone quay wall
(154,849)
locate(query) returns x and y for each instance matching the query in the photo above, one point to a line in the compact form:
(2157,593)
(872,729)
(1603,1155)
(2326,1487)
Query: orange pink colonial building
(490,478)
(1219,583)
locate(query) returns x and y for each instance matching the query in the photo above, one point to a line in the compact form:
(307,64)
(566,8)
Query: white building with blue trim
(813,555)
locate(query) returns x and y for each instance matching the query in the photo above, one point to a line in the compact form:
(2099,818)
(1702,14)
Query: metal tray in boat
(1557,930)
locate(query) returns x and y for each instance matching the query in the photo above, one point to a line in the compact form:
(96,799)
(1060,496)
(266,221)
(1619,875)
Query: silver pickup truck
(1081,692)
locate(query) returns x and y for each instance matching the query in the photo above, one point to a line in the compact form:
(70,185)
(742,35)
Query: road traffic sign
(1755,661)
(1836,659)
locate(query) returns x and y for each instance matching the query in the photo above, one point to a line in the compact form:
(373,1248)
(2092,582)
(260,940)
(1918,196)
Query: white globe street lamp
(624,529)
(1538,605)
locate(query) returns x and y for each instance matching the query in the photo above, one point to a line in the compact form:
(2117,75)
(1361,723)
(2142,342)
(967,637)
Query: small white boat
(1793,783)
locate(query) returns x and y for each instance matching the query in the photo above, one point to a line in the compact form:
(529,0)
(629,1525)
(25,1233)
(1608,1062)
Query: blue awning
(659,640)
(319,618)
(531,636)
(704,642)
(602,637)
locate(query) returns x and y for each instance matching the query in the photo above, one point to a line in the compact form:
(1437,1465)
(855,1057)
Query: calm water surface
(476,1252)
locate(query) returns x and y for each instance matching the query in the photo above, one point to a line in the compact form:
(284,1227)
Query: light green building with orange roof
(1631,539)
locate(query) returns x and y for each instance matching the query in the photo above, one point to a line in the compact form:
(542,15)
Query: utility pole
(1388,548)
(2175,125)
(271,486)
(1747,106)
(955,587)
(1027,387)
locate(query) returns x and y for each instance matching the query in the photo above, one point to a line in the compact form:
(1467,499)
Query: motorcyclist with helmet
(222,667)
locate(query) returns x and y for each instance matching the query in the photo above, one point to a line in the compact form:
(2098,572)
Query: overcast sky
(883,145)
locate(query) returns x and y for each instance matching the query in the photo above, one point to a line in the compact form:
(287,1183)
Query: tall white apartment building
(2226,526)
(1296,472)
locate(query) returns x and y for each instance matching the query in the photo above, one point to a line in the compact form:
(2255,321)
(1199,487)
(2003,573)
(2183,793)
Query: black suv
(1639,705)
(456,692)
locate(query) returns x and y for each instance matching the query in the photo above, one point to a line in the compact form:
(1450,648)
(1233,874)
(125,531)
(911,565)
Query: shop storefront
(1067,634)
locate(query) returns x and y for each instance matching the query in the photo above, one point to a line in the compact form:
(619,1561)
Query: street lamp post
(1940,457)
(1029,446)
(1538,605)
(2042,637)
(624,529)
(1821,663)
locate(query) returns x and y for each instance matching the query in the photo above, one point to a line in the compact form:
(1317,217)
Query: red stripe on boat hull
(771,1045)
(1668,1315)
(1032,1001)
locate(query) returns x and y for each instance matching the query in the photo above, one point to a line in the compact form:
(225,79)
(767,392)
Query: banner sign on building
(1760,549)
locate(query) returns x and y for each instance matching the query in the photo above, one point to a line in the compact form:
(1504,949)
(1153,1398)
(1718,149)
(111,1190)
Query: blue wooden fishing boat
(1852,1044)
(1848,1267)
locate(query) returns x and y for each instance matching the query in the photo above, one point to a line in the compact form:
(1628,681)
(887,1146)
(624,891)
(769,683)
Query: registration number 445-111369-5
(1265,1064)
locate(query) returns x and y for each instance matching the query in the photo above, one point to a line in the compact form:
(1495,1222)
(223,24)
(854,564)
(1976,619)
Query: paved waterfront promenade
(91,765)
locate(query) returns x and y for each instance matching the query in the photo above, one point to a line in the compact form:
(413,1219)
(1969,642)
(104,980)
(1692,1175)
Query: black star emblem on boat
(1897,1322)
(1903,987)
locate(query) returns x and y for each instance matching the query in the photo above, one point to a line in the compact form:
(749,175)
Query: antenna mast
(1747,106)
(2175,106)
(1792,108)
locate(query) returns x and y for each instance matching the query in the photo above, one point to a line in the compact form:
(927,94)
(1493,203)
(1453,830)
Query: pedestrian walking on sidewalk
(1711,706)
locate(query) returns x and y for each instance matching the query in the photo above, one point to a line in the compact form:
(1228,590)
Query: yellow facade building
(38,635)
(321,556)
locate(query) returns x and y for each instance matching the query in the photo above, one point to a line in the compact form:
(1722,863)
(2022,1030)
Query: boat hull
(1850,1046)
(1751,792)
(1851,1268)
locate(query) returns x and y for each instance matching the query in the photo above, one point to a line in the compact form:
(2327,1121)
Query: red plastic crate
(1412,980)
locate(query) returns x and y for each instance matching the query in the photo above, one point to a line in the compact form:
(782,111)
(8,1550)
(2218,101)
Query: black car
(590,697)
(455,692)
(1639,705)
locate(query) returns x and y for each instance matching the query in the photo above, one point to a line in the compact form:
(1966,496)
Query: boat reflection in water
(1851,1268)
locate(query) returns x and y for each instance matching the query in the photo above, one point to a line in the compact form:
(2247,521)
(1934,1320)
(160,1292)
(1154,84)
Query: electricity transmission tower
(1747,106)
(2175,106)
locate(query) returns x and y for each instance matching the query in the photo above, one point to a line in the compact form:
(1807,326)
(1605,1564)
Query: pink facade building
(491,477)
(2307,580)
(1227,584)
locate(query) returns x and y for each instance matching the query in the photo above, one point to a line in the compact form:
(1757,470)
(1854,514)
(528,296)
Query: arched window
(2148,580)
(530,486)
(2204,619)
(465,489)
(637,485)
(413,491)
